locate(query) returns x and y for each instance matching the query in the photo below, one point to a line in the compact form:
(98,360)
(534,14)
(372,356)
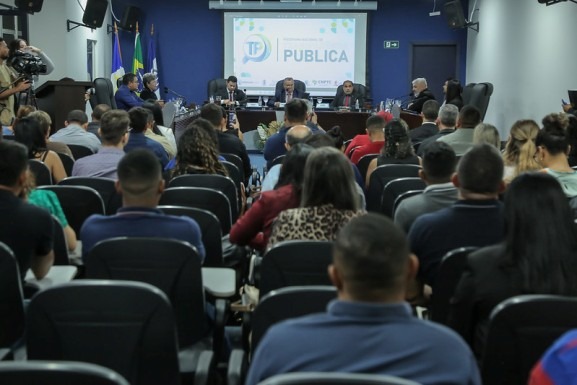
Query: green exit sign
(391,44)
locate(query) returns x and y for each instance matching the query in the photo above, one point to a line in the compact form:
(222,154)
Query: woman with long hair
(329,200)
(453,94)
(519,155)
(552,149)
(537,256)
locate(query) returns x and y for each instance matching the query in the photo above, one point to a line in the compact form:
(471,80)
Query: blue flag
(117,69)
(151,65)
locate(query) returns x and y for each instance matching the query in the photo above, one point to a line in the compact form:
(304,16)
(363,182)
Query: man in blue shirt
(125,96)
(141,185)
(369,328)
(140,120)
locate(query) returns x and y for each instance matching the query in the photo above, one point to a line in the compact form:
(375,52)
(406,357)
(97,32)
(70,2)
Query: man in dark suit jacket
(429,127)
(447,121)
(421,95)
(287,93)
(348,97)
(232,96)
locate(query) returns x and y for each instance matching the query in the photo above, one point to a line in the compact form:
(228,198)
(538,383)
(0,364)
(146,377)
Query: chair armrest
(221,315)
(204,368)
(237,365)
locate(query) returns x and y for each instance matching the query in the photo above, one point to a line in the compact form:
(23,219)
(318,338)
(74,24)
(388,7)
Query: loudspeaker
(454,14)
(94,13)
(130,17)
(29,6)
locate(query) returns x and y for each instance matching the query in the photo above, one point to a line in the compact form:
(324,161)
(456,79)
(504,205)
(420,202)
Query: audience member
(150,83)
(348,98)
(519,155)
(286,94)
(420,95)
(157,136)
(45,123)
(439,162)
(397,149)
(462,139)
(26,229)
(572,137)
(329,200)
(96,115)
(557,366)
(363,139)
(446,122)
(368,328)
(28,132)
(487,133)
(125,96)
(375,131)
(476,219)
(114,134)
(75,132)
(254,227)
(552,147)
(429,113)
(139,118)
(158,127)
(453,93)
(537,256)
(141,185)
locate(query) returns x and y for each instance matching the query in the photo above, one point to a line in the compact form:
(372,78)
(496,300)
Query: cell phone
(563,101)
(231,118)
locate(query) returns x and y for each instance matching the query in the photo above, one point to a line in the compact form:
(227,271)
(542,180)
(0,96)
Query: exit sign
(391,44)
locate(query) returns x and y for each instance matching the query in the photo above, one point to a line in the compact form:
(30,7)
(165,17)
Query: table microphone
(168,90)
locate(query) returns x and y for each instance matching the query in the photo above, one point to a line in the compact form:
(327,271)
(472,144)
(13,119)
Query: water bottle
(260,100)
(382,106)
(357,106)
(211,99)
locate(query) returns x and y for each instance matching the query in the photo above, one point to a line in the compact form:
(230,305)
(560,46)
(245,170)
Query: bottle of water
(211,99)
(382,106)
(357,106)
(260,100)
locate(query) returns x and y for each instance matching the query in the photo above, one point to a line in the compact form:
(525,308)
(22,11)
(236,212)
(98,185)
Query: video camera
(26,64)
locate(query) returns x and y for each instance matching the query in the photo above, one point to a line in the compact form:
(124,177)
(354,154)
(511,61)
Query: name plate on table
(253,105)
(323,106)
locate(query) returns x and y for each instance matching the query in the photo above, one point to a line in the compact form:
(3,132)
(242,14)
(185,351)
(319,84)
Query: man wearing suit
(232,96)
(287,94)
(420,95)
(430,113)
(446,121)
(348,97)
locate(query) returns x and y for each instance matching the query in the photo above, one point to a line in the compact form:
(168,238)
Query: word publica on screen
(315,56)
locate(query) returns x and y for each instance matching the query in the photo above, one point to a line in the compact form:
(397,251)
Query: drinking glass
(319,100)
(265,100)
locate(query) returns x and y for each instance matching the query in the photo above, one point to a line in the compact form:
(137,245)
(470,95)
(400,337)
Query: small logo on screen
(256,48)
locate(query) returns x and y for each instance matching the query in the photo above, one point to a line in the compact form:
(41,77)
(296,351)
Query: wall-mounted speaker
(454,14)
(94,13)
(29,6)
(130,17)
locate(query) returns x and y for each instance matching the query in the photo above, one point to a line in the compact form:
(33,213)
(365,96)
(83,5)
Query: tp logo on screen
(256,48)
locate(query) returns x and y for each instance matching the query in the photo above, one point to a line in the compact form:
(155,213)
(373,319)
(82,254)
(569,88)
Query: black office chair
(104,93)
(363,164)
(125,326)
(41,172)
(521,329)
(78,203)
(403,196)
(11,302)
(237,161)
(67,162)
(358,89)
(236,175)
(106,187)
(383,175)
(324,378)
(277,160)
(79,151)
(300,86)
(220,183)
(203,198)
(60,247)
(394,189)
(451,268)
(216,87)
(295,263)
(478,95)
(57,373)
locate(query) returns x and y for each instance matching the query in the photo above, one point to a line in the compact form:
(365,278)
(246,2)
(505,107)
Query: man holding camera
(9,85)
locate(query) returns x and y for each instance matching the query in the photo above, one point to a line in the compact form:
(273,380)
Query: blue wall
(190,43)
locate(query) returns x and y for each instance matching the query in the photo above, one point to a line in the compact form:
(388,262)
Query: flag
(151,66)
(137,66)
(117,69)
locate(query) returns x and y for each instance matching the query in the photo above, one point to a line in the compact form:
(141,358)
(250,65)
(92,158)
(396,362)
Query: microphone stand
(168,90)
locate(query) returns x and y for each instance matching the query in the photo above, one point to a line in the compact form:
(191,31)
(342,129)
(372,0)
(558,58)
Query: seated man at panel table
(75,132)
(348,98)
(287,94)
(369,328)
(232,96)
(28,230)
(420,95)
(114,134)
(141,185)
(140,119)
(125,96)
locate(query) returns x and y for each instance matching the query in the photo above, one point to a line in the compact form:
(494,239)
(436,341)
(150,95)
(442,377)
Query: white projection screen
(321,49)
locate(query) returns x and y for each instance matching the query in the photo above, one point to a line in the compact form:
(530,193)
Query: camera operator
(10,84)
(22,46)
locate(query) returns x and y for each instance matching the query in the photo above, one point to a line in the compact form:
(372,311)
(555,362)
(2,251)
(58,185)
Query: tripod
(27,97)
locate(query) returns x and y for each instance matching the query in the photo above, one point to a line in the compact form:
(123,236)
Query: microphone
(168,90)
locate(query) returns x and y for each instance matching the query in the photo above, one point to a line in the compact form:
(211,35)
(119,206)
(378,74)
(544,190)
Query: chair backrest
(11,299)
(209,228)
(277,160)
(57,373)
(358,89)
(383,175)
(220,183)
(67,162)
(171,265)
(215,87)
(203,198)
(60,247)
(478,95)
(451,268)
(288,302)
(300,86)
(168,114)
(403,196)
(521,329)
(78,203)
(395,188)
(237,161)
(295,263)
(104,92)
(105,186)
(125,326)
(363,163)
(41,172)
(325,378)
(79,151)
(235,174)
